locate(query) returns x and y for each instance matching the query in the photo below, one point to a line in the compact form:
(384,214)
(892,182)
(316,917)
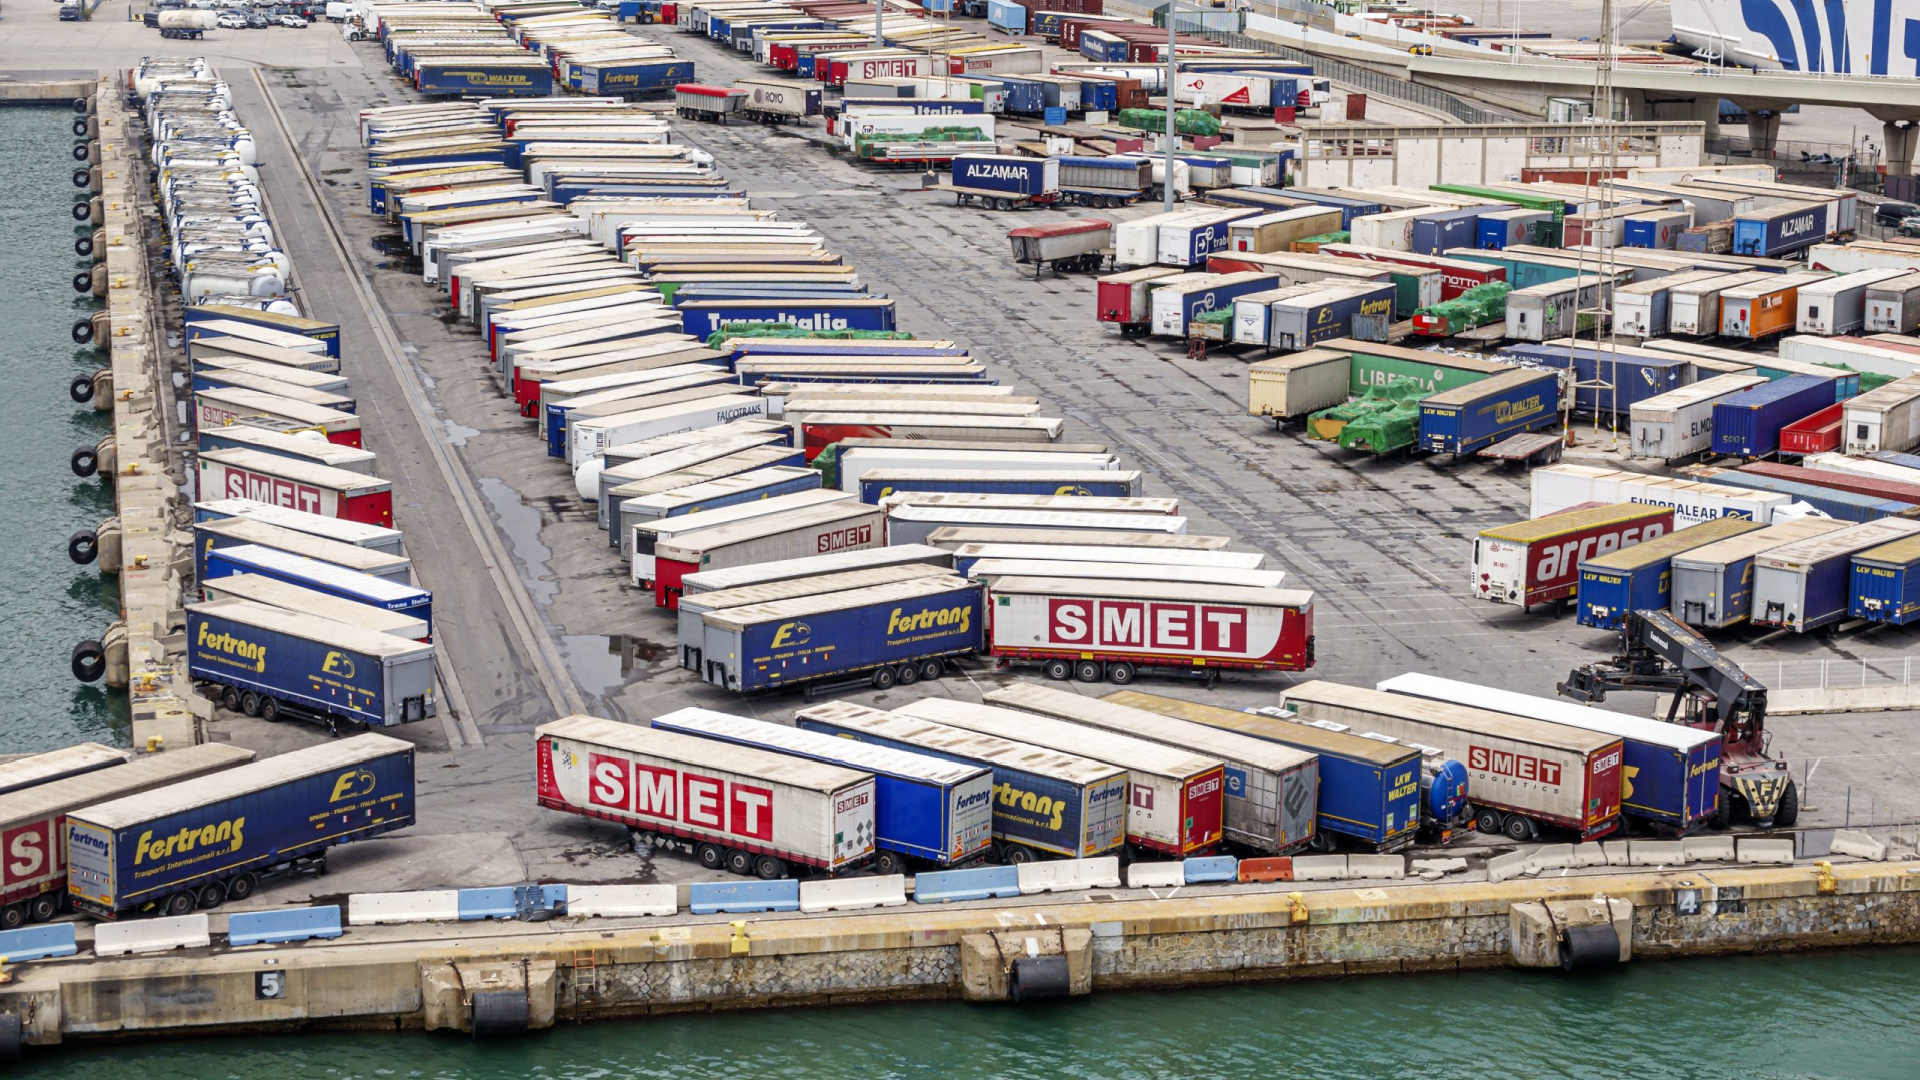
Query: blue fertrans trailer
(1886,583)
(1466,418)
(931,813)
(322,577)
(902,632)
(1640,577)
(213,838)
(637,78)
(271,662)
(1046,803)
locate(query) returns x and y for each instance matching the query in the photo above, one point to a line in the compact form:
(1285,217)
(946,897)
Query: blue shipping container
(776,652)
(1747,424)
(1780,230)
(1895,457)
(1007,18)
(357,788)
(1462,420)
(1046,24)
(1631,379)
(328,677)
(872,491)
(703,318)
(322,577)
(995,172)
(1448,229)
(1844,505)
(1886,583)
(1040,811)
(926,808)
(1022,95)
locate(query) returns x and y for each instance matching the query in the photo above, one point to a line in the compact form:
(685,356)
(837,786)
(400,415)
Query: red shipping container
(1817,434)
(1874,487)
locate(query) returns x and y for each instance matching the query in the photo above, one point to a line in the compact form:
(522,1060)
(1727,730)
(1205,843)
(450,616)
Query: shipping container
(322,577)
(1886,583)
(1555,309)
(1893,304)
(1887,418)
(1298,384)
(1538,561)
(1271,790)
(1369,789)
(1175,800)
(211,839)
(1670,772)
(1438,232)
(1847,506)
(1506,228)
(1465,419)
(1765,308)
(33,855)
(1093,629)
(1655,230)
(1816,434)
(734,807)
(1640,578)
(28,770)
(1713,585)
(738,577)
(271,663)
(1277,231)
(1679,423)
(929,813)
(1905,490)
(1046,803)
(1523,774)
(1389,231)
(1808,584)
(1747,424)
(1375,365)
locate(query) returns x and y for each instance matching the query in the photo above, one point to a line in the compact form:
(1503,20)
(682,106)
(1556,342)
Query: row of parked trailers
(495,49)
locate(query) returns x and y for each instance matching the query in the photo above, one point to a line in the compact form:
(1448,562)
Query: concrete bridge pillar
(1763,131)
(1900,137)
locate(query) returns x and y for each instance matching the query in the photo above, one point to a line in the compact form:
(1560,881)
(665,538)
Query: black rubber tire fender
(89,661)
(83,547)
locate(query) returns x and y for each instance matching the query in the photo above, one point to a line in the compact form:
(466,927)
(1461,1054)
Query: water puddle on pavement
(520,524)
(600,663)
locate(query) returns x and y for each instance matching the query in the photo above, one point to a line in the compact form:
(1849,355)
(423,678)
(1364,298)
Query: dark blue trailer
(1045,802)
(1895,457)
(1102,46)
(877,633)
(323,577)
(211,839)
(270,662)
(931,813)
(636,78)
(1102,95)
(1844,505)
(1301,322)
(1349,208)
(1019,177)
(1464,419)
(1437,233)
(1780,230)
(1021,95)
(705,317)
(484,77)
(1605,382)
(1640,578)
(879,483)
(1886,583)
(1747,424)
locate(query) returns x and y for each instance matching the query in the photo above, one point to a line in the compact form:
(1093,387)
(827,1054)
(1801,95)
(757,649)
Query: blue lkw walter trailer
(703,317)
(1886,583)
(1466,418)
(1748,423)
(931,812)
(1640,578)
(1606,382)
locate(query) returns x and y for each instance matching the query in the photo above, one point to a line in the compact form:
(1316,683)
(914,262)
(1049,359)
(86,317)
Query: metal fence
(1833,674)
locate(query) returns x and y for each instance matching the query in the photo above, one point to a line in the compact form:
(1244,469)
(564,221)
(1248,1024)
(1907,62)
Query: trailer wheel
(43,907)
(89,661)
(1120,674)
(1057,670)
(889,862)
(906,674)
(82,210)
(1087,671)
(1519,828)
(1488,821)
(83,328)
(932,669)
(1723,812)
(212,895)
(13,916)
(230,698)
(241,887)
(1788,810)
(1003,204)
(1321,842)
(883,678)
(768,868)
(269,709)
(740,862)
(180,903)
(711,856)
(1019,854)
(250,703)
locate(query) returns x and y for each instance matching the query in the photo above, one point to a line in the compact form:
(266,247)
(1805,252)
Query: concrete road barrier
(1509,866)
(37,943)
(1068,875)
(1616,852)
(712,897)
(1708,848)
(373,909)
(1552,857)
(1376,866)
(1278,868)
(621,901)
(1156,875)
(1589,854)
(975,883)
(1657,853)
(1845,842)
(1319,867)
(1756,850)
(853,893)
(283,925)
(490,903)
(151,935)
(1207,868)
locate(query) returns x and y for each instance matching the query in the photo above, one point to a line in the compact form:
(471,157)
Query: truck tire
(230,698)
(1788,811)
(1120,673)
(883,678)
(906,674)
(211,895)
(240,887)
(1057,670)
(1519,828)
(768,868)
(82,333)
(1488,821)
(932,669)
(83,281)
(180,903)
(711,856)
(269,709)
(1322,842)
(43,907)
(250,703)
(1003,204)
(83,547)
(740,862)
(81,388)
(89,661)
(1019,854)
(13,916)
(1087,671)
(889,862)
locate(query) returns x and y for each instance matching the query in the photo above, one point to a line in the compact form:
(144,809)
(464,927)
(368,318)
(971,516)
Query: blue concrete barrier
(711,897)
(37,942)
(510,901)
(1212,868)
(978,883)
(274,927)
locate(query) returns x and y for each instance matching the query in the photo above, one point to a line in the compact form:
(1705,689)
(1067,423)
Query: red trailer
(1457,275)
(1538,561)
(826,529)
(1872,486)
(1817,434)
(1123,298)
(296,484)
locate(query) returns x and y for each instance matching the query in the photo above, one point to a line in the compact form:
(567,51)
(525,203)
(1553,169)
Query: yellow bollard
(740,944)
(1828,883)
(1297,907)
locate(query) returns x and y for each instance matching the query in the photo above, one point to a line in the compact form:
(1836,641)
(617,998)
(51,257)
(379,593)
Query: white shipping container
(1137,242)
(589,437)
(1887,418)
(1838,305)
(1297,384)
(915,524)
(697,791)
(1168,788)
(1694,309)
(1679,423)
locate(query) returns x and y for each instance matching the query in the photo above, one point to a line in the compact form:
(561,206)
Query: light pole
(1173,77)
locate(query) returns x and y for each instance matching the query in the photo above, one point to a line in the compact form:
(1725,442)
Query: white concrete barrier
(1858,844)
(1589,855)
(151,935)
(1900,697)
(621,901)
(372,909)
(1067,875)
(1615,852)
(1372,866)
(853,893)
(1434,868)
(1319,867)
(1757,850)
(1508,866)
(1552,857)
(1708,848)
(1156,875)
(1656,853)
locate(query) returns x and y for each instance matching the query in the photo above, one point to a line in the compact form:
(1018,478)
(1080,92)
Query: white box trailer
(737,577)
(955,536)
(1523,773)
(1872,468)
(879,484)
(1694,308)
(748,810)
(854,397)
(1857,354)
(372,537)
(1838,305)
(966,555)
(693,628)
(814,530)
(1391,231)
(589,437)
(1252,313)
(1712,585)
(1272,790)
(1277,231)
(1560,487)
(1136,243)
(235,531)
(991,570)
(1297,384)
(1068,503)
(1176,798)
(1679,423)
(915,524)
(28,770)
(300,485)
(1893,305)
(855,463)
(1885,418)
(1552,309)
(645,537)
(1108,628)
(1644,308)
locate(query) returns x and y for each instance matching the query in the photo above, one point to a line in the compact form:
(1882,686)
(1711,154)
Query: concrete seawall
(568,971)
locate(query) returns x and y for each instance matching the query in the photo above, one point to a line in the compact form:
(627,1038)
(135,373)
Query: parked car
(1894,213)
(257,21)
(294,22)
(1910,226)
(69,12)
(202,5)
(231,21)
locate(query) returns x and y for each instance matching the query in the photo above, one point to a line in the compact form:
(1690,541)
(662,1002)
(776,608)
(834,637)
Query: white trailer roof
(310,545)
(782,738)
(1112,571)
(1066,504)
(705,753)
(1156,727)
(340,635)
(305,472)
(1126,589)
(961,742)
(990,516)
(1105,553)
(738,576)
(31,769)
(1126,751)
(281,594)
(1780,534)
(767,592)
(105,785)
(1694,393)
(375,588)
(740,618)
(1441,714)
(1637,728)
(246,779)
(1845,541)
